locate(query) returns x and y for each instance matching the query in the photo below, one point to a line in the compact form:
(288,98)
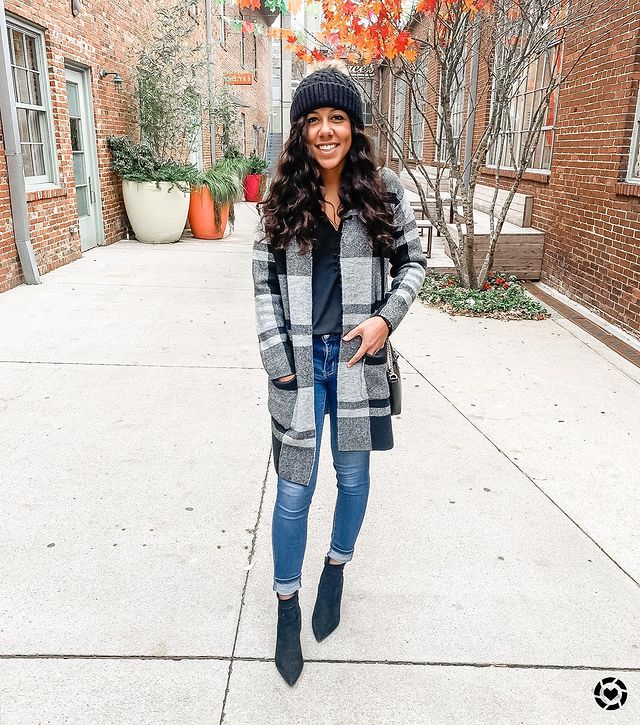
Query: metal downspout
(210,81)
(15,167)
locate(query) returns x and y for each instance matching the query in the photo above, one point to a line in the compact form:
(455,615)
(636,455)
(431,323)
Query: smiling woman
(322,323)
(329,140)
(328,129)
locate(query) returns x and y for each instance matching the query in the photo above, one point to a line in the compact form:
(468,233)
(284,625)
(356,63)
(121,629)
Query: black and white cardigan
(283,302)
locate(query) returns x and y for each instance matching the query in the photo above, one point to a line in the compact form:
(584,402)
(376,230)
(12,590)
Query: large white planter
(157,213)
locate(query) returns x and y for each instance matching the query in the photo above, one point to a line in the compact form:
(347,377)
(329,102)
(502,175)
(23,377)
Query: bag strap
(390,351)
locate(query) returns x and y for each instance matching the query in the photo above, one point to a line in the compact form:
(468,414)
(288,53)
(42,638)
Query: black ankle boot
(326,613)
(288,650)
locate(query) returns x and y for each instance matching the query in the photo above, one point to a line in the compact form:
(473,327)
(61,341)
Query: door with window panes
(84,157)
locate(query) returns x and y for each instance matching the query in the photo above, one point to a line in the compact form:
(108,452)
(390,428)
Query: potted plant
(236,164)
(254,180)
(169,88)
(156,193)
(212,195)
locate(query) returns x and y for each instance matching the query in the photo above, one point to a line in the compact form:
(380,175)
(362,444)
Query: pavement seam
(325,660)
(523,472)
(596,327)
(129,365)
(567,328)
(241,246)
(254,539)
(151,286)
(570,324)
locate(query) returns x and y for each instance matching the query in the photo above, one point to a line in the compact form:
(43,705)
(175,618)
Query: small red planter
(253,187)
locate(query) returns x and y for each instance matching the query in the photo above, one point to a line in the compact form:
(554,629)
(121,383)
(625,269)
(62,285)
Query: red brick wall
(591,220)
(107,35)
(592,231)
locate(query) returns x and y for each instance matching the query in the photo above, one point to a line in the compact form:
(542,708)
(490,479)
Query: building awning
(261,14)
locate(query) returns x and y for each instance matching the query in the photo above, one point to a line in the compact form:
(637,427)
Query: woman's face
(329,136)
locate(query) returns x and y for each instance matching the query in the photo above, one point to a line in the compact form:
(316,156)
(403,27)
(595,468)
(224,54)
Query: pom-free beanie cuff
(327,87)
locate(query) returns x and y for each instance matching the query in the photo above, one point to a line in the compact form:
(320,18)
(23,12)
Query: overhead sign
(238,79)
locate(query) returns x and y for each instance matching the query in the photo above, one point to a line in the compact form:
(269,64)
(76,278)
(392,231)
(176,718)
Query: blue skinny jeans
(291,510)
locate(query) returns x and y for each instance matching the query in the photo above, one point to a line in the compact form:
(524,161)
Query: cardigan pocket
(288,385)
(281,402)
(375,385)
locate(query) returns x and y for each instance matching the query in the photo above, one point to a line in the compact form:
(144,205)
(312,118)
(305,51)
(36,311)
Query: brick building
(585,181)
(66,111)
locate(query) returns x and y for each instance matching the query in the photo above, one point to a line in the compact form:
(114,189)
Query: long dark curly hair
(293,202)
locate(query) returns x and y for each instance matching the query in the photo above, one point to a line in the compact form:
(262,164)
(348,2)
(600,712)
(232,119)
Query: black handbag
(393,371)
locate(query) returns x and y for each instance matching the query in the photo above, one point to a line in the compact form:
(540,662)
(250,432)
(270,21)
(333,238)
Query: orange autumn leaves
(364,30)
(360,31)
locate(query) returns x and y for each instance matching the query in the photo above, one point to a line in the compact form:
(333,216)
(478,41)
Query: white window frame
(633,171)
(242,46)
(515,107)
(50,177)
(255,57)
(457,113)
(399,111)
(416,136)
(365,85)
(223,25)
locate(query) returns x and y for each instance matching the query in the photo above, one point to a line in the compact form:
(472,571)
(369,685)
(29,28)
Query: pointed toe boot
(289,659)
(326,613)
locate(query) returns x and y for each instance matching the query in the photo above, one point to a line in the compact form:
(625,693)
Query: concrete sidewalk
(497,574)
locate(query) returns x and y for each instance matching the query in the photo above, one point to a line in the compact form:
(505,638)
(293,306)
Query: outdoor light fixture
(117,78)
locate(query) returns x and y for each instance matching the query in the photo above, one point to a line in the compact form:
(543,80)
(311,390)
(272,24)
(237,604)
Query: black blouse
(326,281)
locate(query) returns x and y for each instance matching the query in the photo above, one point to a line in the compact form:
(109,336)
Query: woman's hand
(286,378)
(374,333)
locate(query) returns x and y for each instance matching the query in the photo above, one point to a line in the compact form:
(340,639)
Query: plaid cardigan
(283,305)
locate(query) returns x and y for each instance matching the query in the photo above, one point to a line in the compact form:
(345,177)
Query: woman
(330,215)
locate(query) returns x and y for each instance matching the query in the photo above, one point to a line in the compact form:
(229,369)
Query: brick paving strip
(611,341)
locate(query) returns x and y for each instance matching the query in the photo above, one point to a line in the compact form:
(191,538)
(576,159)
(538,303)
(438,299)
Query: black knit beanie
(327,87)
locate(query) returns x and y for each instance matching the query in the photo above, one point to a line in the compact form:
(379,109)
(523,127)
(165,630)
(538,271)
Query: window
(223,27)
(31,90)
(365,86)
(633,173)
(256,139)
(243,131)
(418,99)
(457,96)
(195,152)
(241,43)
(526,100)
(398,115)
(255,58)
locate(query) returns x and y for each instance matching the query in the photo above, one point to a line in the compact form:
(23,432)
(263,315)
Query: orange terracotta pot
(202,217)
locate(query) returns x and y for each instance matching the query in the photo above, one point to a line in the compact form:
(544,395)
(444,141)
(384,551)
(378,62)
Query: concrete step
(409,183)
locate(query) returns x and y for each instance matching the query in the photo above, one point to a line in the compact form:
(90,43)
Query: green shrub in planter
(502,297)
(222,182)
(256,164)
(137,162)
